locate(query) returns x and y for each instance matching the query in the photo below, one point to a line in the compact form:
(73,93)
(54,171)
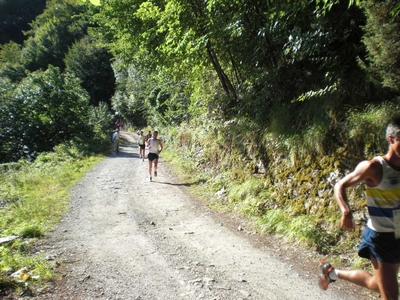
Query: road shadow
(123,154)
(187,184)
(126,145)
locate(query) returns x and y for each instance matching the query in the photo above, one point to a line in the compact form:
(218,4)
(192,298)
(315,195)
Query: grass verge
(33,198)
(228,184)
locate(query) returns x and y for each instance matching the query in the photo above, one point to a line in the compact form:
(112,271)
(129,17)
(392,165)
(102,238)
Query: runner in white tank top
(155,146)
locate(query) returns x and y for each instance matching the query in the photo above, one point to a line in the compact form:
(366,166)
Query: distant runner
(142,145)
(115,140)
(148,136)
(155,146)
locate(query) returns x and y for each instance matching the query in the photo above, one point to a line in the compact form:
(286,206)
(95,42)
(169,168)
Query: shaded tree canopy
(289,66)
(15,16)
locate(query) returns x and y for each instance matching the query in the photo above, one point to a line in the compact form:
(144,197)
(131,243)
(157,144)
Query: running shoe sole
(324,280)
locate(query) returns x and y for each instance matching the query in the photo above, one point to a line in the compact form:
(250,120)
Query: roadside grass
(33,198)
(252,201)
(221,166)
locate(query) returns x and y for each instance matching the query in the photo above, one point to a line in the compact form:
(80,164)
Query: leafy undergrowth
(33,198)
(291,197)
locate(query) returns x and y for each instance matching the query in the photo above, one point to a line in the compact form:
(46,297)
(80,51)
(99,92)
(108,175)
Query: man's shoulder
(371,170)
(371,164)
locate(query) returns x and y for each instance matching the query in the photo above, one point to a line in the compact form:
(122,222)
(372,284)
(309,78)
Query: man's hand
(347,221)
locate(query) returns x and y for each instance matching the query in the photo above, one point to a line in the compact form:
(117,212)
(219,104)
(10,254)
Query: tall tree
(43,110)
(91,62)
(53,32)
(10,62)
(382,41)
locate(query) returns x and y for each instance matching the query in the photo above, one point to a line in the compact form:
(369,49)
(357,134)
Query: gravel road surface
(127,238)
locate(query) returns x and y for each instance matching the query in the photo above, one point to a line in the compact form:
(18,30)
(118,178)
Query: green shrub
(37,195)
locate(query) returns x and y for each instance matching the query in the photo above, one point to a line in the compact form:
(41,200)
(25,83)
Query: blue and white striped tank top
(384,201)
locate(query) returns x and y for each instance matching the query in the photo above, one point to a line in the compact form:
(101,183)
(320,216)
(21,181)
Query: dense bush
(45,109)
(280,181)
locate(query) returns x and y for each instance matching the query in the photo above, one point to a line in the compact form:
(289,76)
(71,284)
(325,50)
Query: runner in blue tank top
(380,242)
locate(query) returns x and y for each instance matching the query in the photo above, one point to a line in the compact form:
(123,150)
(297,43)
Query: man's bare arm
(366,171)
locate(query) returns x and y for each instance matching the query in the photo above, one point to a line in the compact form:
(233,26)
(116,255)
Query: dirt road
(127,238)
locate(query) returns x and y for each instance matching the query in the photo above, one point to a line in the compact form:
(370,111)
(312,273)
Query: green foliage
(36,197)
(264,55)
(99,121)
(302,129)
(250,198)
(381,40)
(10,62)
(52,33)
(16,16)
(303,229)
(143,98)
(90,62)
(46,107)
(129,99)
(269,101)
(10,53)
(279,180)
(43,110)
(366,128)
(31,231)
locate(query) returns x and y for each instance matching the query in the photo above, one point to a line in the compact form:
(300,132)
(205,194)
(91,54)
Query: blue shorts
(382,245)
